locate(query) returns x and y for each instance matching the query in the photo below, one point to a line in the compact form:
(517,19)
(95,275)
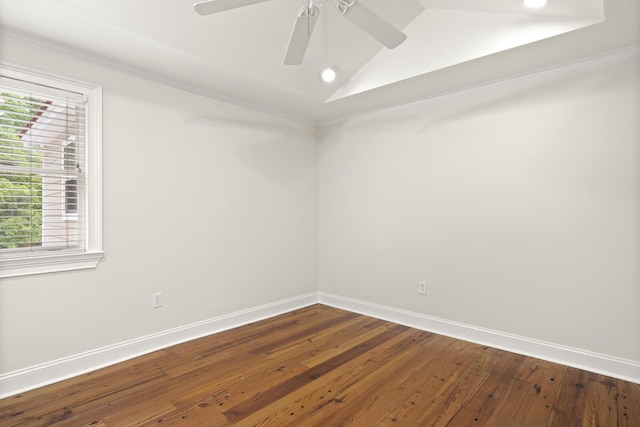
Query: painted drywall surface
(212,204)
(518,203)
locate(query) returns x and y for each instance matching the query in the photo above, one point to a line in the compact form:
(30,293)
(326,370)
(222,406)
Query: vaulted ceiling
(237,54)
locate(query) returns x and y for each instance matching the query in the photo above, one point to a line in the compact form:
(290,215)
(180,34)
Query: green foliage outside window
(20,191)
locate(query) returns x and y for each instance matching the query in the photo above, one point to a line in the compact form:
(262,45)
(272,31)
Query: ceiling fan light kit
(534,4)
(328,75)
(363,17)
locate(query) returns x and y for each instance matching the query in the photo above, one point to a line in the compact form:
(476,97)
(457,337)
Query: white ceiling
(237,55)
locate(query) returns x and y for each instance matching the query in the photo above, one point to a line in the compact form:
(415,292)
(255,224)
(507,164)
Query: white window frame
(38,263)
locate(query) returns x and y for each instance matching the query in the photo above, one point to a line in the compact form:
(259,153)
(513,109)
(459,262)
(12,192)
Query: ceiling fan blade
(215,6)
(374,25)
(301,35)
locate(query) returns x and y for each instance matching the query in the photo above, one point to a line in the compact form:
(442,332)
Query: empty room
(320,213)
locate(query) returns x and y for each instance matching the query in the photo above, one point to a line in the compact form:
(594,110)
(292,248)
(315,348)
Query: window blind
(42,169)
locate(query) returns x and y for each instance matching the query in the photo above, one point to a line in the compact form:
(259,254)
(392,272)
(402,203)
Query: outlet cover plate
(422,287)
(156,300)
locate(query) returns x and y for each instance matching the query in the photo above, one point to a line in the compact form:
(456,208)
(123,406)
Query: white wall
(211,204)
(519,203)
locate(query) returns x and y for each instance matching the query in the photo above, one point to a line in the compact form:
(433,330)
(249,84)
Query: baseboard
(33,377)
(594,362)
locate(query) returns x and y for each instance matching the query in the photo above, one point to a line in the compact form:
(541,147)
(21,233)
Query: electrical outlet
(156,300)
(422,287)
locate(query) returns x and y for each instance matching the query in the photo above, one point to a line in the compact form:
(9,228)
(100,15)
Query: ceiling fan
(360,15)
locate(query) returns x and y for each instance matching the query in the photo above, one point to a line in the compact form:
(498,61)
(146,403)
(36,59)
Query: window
(50,173)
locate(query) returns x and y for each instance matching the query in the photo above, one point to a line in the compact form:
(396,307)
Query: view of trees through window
(50,181)
(20,190)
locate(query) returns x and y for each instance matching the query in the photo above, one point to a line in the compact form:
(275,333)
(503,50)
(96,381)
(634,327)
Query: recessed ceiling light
(328,75)
(535,3)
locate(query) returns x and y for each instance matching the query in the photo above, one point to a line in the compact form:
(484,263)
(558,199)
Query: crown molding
(43,44)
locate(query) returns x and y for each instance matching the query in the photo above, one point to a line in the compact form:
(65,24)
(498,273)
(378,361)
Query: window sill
(49,264)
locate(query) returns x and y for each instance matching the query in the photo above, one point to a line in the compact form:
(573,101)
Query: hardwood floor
(320,366)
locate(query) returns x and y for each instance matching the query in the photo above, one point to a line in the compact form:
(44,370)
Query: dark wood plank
(298,407)
(360,403)
(265,398)
(263,376)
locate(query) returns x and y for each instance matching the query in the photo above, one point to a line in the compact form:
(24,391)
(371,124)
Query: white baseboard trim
(627,370)
(47,373)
